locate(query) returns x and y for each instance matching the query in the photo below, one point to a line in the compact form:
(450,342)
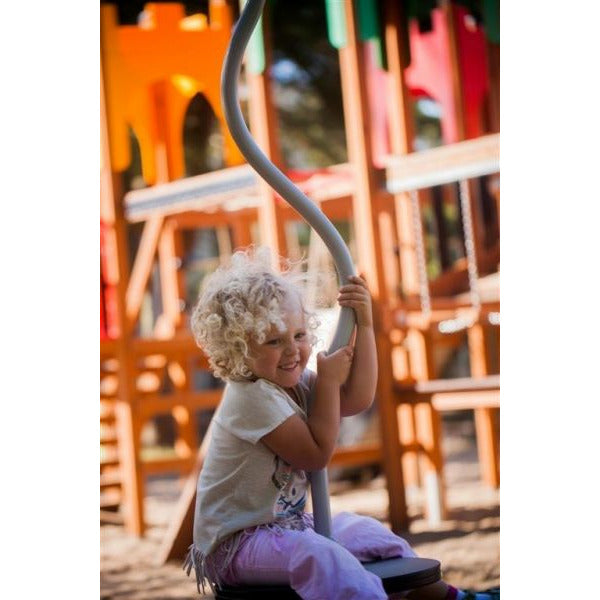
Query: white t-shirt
(243,483)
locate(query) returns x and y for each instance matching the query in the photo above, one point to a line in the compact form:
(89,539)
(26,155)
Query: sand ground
(466,543)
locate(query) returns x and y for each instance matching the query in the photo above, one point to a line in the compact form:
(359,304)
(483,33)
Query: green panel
(255,51)
(368,20)
(491,20)
(369,29)
(336,23)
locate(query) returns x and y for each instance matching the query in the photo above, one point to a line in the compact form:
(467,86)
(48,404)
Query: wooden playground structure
(150,72)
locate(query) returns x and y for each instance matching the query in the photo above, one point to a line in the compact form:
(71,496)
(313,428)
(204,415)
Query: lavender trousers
(316,567)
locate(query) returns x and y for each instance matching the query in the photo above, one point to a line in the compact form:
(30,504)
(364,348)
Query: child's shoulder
(252,389)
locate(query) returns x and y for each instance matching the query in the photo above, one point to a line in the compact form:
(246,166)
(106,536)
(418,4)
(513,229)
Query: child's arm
(309,445)
(358,391)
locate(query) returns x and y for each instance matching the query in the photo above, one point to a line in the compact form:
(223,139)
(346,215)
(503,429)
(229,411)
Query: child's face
(283,355)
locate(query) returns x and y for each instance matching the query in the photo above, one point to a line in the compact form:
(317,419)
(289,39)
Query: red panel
(472,58)
(430,71)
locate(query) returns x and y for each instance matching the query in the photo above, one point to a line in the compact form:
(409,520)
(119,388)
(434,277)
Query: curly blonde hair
(238,303)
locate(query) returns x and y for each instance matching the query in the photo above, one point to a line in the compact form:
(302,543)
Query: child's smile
(283,355)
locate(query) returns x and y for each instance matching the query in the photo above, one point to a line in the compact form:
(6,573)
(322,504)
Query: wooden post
(169,260)
(111,201)
(401,133)
(263,124)
(365,211)
(486,419)
(429,428)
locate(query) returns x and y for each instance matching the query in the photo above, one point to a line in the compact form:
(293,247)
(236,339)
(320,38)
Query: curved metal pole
(308,209)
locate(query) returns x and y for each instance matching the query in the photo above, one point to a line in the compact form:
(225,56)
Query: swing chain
(421,258)
(467,221)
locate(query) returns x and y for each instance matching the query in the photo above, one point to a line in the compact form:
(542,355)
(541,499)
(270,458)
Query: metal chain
(421,258)
(467,221)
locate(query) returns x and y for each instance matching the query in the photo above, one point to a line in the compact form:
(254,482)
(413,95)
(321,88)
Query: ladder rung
(110,478)
(109,456)
(110,498)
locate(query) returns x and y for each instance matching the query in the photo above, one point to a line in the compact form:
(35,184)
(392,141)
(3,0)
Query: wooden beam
(365,210)
(142,266)
(169,260)
(444,164)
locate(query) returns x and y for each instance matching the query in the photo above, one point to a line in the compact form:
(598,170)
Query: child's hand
(356,295)
(336,366)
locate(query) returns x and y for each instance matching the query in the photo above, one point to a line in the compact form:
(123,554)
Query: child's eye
(301,336)
(272,342)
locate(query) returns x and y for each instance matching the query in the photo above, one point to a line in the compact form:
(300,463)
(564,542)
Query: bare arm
(358,392)
(309,445)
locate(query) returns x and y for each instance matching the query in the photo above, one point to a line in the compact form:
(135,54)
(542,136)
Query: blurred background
(386,114)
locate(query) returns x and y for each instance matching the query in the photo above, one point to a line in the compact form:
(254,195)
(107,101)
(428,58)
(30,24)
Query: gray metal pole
(308,209)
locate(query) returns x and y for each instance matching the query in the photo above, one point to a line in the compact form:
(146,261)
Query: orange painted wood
(181,464)
(445,401)
(126,424)
(357,454)
(155,403)
(161,52)
(178,537)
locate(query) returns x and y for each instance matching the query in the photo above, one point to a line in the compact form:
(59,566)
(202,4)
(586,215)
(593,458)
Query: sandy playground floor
(467,543)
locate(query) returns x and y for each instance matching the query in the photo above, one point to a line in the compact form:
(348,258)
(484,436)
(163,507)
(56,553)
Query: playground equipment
(382,190)
(402,573)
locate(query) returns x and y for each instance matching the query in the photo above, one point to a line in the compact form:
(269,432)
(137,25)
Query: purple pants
(318,568)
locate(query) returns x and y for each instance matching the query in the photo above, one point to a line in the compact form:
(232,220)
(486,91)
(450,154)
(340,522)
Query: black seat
(397,575)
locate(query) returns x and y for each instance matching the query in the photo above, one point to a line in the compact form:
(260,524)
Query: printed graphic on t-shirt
(293,484)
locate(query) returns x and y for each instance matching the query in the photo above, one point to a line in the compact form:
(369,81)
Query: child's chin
(289,378)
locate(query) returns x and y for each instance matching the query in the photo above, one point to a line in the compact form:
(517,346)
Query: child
(250,526)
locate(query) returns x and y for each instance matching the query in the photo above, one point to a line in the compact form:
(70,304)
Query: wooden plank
(111,478)
(489,382)
(108,516)
(182,342)
(466,400)
(358,454)
(178,536)
(444,164)
(142,266)
(193,400)
(111,498)
(209,192)
(165,465)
